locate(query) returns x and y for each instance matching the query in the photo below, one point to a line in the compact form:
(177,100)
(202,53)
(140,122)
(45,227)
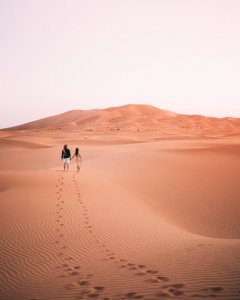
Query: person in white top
(78,158)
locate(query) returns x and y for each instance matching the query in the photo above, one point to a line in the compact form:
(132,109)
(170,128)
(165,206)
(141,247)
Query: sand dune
(148,216)
(144,118)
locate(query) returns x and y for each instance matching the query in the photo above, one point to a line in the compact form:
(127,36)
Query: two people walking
(66,157)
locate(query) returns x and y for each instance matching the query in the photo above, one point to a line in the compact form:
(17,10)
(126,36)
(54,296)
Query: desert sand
(153,213)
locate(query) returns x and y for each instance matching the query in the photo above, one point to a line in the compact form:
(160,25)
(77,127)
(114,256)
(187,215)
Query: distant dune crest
(134,117)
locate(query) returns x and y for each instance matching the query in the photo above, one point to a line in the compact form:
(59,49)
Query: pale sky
(179,55)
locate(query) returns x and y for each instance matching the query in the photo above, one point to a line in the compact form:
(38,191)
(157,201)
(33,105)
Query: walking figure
(66,156)
(78,159)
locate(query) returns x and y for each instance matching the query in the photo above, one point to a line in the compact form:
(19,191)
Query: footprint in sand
(77,267)
(122,266)
(163,295)
(99,288)
(93,295)
(163,278)
(71,286)
(141,273)
(217,289)
(152,280)
(65,265)
(152,272)
(178,285)
(209,292)
(176,292)
(131,264)
(174,289)
(69,258)
(68,269)
(133,295)
(75,273)
(83,283)
(141,266)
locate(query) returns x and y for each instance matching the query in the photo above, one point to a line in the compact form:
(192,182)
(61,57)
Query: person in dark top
(66,156)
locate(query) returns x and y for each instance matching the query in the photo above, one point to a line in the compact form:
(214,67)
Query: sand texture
(153,213)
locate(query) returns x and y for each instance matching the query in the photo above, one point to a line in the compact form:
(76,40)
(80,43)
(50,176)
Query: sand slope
(146,218)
